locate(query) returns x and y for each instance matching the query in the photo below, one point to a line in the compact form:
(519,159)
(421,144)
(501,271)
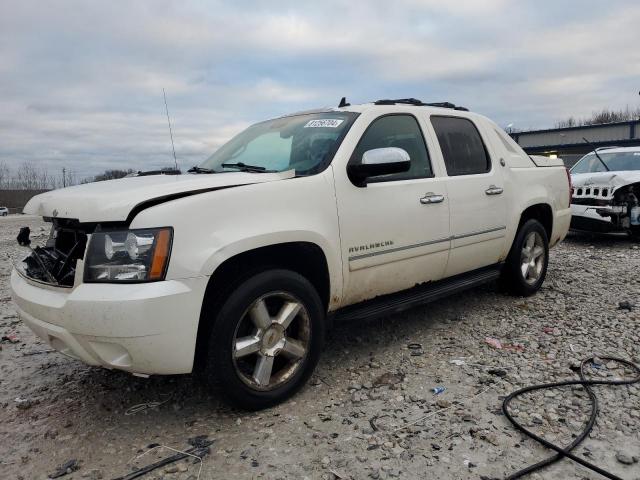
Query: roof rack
(420,103)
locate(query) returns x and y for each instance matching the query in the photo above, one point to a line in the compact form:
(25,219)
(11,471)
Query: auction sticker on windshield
(324,123)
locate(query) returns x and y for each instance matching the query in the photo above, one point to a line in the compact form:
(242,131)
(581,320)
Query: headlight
(140,255)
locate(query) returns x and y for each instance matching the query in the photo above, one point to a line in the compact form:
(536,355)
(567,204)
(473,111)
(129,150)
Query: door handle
(493,190)
(431,197)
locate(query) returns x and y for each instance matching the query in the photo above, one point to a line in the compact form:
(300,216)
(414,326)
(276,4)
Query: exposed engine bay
(55,263)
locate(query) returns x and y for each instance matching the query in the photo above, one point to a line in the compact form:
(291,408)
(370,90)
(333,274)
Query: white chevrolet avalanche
(237,268)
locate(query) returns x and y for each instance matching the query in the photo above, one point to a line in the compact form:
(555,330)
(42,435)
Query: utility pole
(64,177)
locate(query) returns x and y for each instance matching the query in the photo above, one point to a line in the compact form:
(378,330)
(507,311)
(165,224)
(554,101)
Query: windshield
(305,143)
(616,162)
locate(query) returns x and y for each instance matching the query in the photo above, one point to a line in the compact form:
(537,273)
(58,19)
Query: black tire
(634,233)
(221,364)
(513,279)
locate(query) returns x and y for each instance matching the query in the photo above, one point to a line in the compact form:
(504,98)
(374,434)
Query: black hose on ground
(566,451)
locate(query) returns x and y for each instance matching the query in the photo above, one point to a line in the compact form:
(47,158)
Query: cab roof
(386,105)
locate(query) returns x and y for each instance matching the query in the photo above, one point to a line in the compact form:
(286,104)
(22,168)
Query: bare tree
(603,116)
(26,177)
(112,175)
(5,175)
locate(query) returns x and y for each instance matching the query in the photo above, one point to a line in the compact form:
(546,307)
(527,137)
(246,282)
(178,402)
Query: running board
(419,295)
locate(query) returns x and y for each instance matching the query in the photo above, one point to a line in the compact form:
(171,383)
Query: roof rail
(606,148)
(420,103)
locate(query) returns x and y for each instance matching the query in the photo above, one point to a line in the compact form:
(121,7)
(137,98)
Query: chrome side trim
(424,244)
(480,232)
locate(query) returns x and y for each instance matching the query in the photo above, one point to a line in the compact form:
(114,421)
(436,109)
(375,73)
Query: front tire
(526,266)
(266,339)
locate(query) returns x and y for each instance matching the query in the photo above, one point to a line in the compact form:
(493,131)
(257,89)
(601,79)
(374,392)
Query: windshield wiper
(197,169)
(247,168)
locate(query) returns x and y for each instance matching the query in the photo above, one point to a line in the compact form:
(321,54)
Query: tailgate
(542,161)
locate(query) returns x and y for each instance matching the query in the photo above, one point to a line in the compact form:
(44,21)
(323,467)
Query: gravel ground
(369,411)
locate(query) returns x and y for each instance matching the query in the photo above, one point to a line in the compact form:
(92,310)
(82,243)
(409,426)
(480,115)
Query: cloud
(82,82)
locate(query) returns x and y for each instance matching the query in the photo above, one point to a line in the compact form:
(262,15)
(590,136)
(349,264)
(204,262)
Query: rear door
(392,235)
(476,195)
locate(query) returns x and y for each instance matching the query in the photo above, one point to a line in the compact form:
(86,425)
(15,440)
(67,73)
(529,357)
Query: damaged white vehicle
(237,268)
(606,191)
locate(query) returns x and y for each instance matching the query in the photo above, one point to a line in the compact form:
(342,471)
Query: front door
(395,230)
(476,195)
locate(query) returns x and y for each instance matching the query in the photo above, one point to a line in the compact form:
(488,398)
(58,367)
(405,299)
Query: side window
(461,145)
(400,131)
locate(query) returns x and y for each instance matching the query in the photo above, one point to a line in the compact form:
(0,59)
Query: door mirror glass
(379,161)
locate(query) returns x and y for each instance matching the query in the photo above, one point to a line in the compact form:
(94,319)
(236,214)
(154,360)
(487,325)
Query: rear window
(462,147)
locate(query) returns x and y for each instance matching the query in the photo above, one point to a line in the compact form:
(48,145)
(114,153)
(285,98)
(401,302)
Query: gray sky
(81,81)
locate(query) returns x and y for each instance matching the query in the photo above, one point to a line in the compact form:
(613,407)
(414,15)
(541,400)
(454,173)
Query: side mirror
(379,161)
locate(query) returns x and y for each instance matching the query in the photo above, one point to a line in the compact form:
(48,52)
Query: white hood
(613,180)
(113,200)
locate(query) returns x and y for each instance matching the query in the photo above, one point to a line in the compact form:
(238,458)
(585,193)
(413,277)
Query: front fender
(245,244)
(213,227)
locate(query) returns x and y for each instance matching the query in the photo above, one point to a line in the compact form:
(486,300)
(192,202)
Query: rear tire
(266,339)
(526,266)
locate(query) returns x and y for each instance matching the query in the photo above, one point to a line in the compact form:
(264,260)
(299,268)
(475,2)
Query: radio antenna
(170,132)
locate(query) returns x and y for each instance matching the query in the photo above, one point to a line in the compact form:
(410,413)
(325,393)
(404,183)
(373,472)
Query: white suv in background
(239,266)
(606,194)
(4,211)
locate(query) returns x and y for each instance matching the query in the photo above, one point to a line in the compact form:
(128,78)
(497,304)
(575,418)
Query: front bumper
(587,218)
(146,328)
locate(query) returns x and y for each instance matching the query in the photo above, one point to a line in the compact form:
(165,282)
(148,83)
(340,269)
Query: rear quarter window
(509,143)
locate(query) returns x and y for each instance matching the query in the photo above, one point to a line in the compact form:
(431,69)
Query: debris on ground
(498,345)
(493,342)
(388,378)
(199,449)
(625,458)
(25,403)
(141,407)
(626,305)
(65,469)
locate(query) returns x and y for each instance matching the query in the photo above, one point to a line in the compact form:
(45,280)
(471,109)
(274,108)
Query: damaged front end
(606,208)
(55,263)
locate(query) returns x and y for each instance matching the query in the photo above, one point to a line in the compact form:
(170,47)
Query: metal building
(568,144)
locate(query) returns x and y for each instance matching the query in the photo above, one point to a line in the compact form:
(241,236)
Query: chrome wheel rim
(271,341)
(532,258)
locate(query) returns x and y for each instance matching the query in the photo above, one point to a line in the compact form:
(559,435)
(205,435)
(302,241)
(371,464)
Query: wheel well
(304,258)
(541,212)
